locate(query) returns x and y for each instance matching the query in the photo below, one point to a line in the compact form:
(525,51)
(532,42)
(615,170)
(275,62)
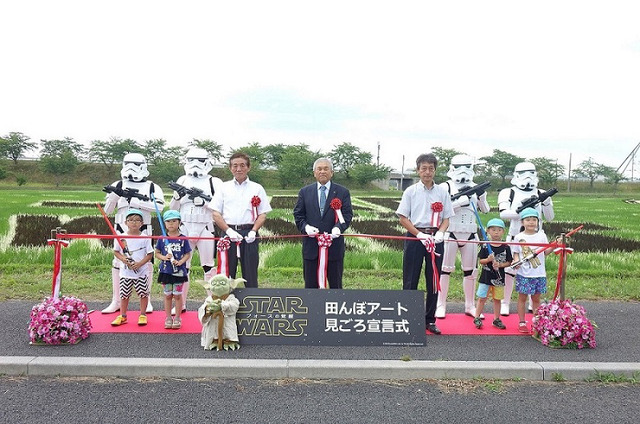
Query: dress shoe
(433,328)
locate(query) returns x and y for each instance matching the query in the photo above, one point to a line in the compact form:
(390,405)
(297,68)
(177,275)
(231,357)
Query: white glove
(424,237)
(176,195)
(311,230)
(251,237)
(335,232)
(198,201)
(509,214)
(233,235)
(439,237)
(461,202)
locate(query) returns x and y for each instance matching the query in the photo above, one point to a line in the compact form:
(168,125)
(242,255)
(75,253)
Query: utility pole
(569,176)
(378,159)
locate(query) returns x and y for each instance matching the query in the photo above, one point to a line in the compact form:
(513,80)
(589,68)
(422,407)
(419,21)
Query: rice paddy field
(605,263)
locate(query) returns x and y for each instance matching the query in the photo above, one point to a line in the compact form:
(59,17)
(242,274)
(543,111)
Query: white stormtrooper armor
(134,173)
(196,214)
(462,226)
(524,185)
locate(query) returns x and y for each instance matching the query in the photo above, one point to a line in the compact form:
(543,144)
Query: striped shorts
(141,285)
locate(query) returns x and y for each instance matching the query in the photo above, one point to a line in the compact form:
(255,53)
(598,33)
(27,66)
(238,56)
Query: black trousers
(249,259)
(414,255)
(334,273)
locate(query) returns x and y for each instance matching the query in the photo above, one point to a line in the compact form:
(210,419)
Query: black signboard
(331,317)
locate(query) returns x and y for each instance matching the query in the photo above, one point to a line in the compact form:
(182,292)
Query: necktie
(323,198)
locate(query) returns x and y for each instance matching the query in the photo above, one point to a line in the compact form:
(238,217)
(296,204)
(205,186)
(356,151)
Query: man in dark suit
(314,215)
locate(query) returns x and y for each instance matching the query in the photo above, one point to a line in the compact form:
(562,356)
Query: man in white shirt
(240,208)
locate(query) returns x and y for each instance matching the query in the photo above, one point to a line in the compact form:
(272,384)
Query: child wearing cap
(494,258)
(531,275)
(174,254)
(134,273)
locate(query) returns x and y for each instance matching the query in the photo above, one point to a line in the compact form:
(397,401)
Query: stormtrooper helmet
(198,164)
(525,176)
(461,169)
(134,167)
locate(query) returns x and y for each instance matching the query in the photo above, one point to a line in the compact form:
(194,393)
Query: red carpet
(453,324)
(101,323)
(462,325)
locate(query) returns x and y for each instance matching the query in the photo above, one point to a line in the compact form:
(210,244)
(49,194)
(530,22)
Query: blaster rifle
(192,192)
(532,201)
(476,189)
(127,193)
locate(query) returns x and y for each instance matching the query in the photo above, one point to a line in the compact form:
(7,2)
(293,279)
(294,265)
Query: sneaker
(142,320)
(522,327)
(168,323)
(120,319)
(499,324)
(177,323)
(478,322)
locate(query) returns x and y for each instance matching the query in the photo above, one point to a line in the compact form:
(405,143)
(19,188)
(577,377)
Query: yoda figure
(218,314)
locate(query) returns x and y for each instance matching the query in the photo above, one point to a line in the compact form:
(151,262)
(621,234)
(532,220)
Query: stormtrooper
(132,192)
(462,227)
(524,185)
(195,210)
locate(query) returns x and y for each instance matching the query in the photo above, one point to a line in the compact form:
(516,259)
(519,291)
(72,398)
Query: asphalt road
(618,340)
(99,400)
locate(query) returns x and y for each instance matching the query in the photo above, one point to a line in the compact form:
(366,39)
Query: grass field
(604,266)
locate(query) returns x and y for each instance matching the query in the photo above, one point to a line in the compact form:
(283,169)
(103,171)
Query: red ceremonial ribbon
(223,256)
(57,264)
(436,208)
(336,205)
(324,242)
(255,202)
(430,245)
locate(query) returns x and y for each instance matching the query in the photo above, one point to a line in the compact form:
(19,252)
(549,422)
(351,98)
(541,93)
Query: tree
(444,160)
(345,156)
(611,176)
(112,151)
(255,153)
(14,145)
(296,167)
(500,163)
(273,154)
(589,169)
(60,157)
(548,170)
(364,173)
(212,147)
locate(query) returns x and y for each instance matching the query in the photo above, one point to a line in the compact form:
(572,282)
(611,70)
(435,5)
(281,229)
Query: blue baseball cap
(133,212)
(528,213)
(495,222)
(171,214)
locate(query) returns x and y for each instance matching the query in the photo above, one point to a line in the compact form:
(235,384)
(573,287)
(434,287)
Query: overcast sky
(543,78)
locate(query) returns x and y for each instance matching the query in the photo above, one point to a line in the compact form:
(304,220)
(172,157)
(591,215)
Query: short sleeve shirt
(233,202)
(417,200)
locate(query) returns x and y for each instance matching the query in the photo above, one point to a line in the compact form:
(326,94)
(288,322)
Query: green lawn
(604,265)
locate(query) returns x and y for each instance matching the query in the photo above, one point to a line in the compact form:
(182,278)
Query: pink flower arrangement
(59,320)
(561,323)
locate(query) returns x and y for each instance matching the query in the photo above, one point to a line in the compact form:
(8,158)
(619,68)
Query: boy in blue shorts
(494,258)
(174,254)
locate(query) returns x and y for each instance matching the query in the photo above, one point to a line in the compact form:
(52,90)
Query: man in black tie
(315,215)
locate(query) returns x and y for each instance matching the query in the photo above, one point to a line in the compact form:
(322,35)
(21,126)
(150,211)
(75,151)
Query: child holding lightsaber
(174,252)
(135,272)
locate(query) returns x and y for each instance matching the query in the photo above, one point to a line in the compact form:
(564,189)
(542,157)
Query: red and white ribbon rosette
(324,242)
(336,205)
(436,208)
(255,202)
(223,256)
(430,245)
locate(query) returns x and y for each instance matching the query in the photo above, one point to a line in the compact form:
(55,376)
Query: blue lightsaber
(163,230)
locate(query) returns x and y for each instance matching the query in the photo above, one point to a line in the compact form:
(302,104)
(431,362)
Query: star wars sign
(331,317)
